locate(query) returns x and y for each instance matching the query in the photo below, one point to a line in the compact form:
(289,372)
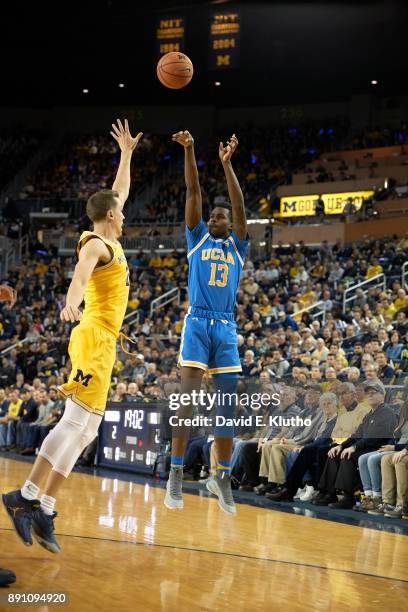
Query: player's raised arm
(239,223)
(194,208)
(127,145)
(93,252)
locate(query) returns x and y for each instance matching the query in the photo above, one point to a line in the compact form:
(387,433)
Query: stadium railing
(350,293)
(164,299)
(404,276)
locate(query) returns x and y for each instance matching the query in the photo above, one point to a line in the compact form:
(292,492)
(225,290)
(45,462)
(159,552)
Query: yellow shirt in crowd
(14,408)
(348,421)
(156,262)
(373,271)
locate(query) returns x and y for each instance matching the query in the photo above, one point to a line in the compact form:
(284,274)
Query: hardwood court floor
(123,550)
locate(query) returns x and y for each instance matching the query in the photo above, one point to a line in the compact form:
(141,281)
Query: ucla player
(216,255)
(101,277)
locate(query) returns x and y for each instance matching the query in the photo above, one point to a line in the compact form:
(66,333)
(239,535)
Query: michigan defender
(216,257)
(101,277)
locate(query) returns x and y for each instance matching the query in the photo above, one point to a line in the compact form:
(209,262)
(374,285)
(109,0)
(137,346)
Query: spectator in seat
(151,376)
(133,393)
(120,392)
(248,456)
(249,366)
(12,418)
(330,379)
(45,406)
(312,456)
(353,375)
(28,414)
(371,467)
(395,347)
(140,367)
(370,372)
(279,366)
(384,372)
(340,472)
(375,269)
(7,373)
(276,450)
(394,473)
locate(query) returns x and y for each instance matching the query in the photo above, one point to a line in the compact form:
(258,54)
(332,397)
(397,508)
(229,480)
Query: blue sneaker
(43,530)
(6,577)
(20,511)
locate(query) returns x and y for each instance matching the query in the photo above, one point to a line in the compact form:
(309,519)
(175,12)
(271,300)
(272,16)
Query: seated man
(45,406)
(12,417)
(275,452)
(341,469)
(312,457)
(248,456)
(28,414)
(311,454)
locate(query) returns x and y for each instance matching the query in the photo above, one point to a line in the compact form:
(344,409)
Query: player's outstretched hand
(123,136)
(227,151)
(70,313)
(8,294)
(183,138)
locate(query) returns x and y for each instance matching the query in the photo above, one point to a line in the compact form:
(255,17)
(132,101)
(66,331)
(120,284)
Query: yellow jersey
(107,291)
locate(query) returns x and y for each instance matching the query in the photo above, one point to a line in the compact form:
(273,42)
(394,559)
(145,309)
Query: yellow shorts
(92,350)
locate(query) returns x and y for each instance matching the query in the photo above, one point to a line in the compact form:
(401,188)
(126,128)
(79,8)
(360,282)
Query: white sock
(47,504)
(376,494)
(30,490)
(368,493)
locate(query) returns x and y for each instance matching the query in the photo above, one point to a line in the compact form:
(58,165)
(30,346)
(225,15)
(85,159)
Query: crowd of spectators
(378,136)
(346,448)
(87,163)
(16,148)
(276,336)
(266,157)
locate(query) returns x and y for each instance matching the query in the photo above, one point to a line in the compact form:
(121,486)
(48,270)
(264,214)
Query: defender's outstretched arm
(127,145)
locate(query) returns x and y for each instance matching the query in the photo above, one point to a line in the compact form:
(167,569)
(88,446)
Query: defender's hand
(70,313)
(8,294)
(123,136)
(226,152)
(183,138)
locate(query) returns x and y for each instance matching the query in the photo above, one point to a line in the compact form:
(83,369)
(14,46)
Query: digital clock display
(131,434)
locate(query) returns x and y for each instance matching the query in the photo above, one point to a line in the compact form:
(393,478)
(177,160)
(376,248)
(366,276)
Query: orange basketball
(175,70)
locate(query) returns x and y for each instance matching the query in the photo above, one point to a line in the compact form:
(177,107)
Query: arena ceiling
(290,52)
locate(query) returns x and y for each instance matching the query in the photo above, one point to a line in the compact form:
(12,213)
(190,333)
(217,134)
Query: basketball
(175,70)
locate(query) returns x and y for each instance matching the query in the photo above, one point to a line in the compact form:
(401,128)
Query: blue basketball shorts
(210,344)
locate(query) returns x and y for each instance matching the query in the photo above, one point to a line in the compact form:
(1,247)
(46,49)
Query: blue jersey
(215,266)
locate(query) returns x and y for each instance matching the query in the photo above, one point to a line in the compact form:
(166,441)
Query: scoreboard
(131,435)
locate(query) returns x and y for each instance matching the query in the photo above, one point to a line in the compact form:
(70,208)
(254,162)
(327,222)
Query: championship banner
(170,35)
(334,203)
(225,29)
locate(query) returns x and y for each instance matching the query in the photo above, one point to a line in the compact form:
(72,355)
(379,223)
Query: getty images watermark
(253,401)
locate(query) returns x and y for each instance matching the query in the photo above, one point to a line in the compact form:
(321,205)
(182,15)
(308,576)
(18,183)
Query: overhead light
(121,85)
(85,91)
(217,83)
(374,82)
